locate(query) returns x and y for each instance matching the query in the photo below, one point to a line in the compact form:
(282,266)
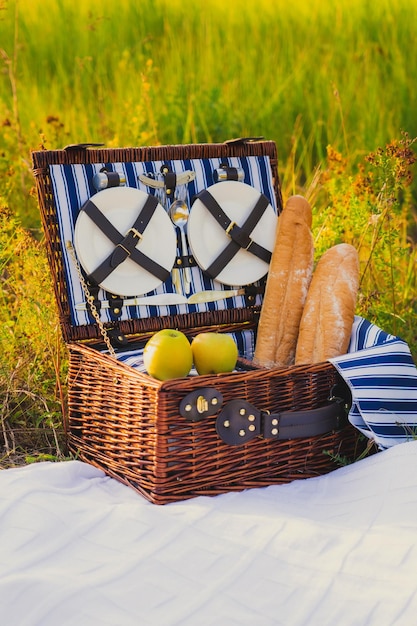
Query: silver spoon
(179,213)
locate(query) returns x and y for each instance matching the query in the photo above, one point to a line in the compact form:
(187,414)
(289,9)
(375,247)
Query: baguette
(286,287)
(326,324)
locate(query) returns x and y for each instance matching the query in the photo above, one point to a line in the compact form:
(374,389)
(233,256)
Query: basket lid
(123,233)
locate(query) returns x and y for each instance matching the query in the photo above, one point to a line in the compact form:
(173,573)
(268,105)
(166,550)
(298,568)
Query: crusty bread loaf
(287,284)
(326,324)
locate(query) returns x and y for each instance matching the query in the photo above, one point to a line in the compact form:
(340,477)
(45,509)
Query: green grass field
(331,82)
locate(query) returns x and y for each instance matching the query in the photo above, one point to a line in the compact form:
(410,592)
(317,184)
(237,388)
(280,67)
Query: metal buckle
(229,230)
(135,232)
(230,227)
(119,245)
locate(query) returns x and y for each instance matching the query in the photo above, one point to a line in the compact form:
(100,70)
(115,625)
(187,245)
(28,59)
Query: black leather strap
(170,179)
(309,423)
(240,235)
(227,172)
(240,422)
(125,245)
(232,172)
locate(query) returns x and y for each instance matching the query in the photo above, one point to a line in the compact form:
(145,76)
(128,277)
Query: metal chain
(90,299)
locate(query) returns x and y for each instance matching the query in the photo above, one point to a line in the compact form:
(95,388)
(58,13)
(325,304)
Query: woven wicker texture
(130,426)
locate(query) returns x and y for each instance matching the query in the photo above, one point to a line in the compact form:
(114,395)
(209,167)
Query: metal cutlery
(161,299)
(178,212)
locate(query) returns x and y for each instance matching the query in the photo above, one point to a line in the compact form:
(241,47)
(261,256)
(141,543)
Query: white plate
(208,239)
(121,206)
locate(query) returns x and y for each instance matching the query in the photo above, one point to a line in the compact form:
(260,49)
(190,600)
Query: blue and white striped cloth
(382,377)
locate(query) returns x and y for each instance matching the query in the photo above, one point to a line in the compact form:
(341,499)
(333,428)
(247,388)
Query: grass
(333,83)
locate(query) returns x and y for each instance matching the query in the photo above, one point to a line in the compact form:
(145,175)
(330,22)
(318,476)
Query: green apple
(167,354)
(214,353)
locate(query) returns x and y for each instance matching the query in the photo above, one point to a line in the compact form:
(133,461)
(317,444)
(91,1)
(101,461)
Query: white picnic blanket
(79,548)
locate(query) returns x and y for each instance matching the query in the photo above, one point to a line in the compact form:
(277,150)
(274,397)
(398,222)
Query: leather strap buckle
(239,236)
(249,244)
(130,240)
(119,245)
(134,232)
(231,226)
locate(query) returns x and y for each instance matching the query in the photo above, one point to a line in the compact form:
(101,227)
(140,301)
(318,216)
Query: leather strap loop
(308,423)
(232,172)
(228,172)
(170,179)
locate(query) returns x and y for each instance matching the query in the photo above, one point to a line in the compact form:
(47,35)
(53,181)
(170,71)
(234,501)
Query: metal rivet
(242,433)
(226,423)
(179,262)
(242,411)
(188,407)
(214,401)
(251,418)
(275,422)
(274,431)
(252,427)
(116,311)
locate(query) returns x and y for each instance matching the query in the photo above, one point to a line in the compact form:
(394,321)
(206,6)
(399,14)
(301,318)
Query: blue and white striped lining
(72,187)
(382,377)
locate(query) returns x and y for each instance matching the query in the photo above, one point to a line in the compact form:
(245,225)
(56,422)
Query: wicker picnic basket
(136,428)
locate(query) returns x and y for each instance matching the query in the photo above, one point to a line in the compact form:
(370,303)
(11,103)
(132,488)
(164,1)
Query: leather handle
(240,422)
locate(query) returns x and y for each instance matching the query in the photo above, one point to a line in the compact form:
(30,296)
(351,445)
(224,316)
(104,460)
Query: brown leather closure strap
(125,245)
(240,422)
(239,235)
